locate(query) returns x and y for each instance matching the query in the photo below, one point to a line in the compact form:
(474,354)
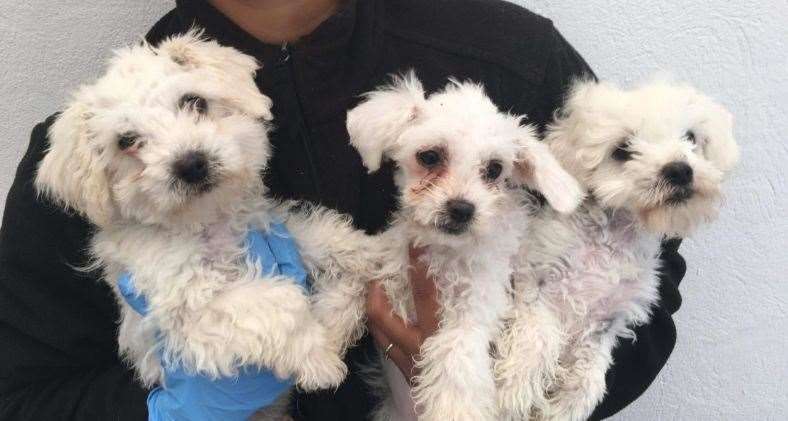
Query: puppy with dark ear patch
(652,160)
(456,158)
(163,154)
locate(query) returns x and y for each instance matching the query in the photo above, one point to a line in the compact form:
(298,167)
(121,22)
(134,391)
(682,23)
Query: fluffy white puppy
(164,154)
(652,160)
(456,155)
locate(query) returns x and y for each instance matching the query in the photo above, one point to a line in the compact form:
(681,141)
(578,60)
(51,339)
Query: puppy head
(169,133)
(660,150)
(454,151)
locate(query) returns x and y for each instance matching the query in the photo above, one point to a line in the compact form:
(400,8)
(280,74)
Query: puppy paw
(569,405)
(322,369)
(516,400)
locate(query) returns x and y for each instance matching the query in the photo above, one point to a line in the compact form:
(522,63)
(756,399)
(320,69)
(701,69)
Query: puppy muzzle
(195,172)
(680,195)
(679,177)
(457,217)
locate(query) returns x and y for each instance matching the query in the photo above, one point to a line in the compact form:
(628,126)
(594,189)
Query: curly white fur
(114,156)
(586,279)
(449,147)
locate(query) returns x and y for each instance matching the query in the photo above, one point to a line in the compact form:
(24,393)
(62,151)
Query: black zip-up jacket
(58,353)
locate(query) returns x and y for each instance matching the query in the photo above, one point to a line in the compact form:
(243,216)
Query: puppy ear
(196,54)
(192,50)
(720,146)
(376,124)
(537,168)
(183,48)
(248,98)
(582,124)
(71,172)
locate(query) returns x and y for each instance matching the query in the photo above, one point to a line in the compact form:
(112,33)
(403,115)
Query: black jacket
(58,353)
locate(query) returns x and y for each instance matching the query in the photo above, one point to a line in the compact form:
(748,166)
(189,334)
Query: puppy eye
(127,140)
(622,152)
(493,170)
(193,102)
(690,136)
(429,158)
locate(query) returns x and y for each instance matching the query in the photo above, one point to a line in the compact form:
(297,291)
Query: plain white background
(731,360)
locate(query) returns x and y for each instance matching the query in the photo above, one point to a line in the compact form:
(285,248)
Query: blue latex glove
(190,397)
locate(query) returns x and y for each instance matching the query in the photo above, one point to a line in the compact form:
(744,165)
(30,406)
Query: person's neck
(277,21)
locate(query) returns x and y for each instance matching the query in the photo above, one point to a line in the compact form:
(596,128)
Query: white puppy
(456,154)
(652,160)
(164,154)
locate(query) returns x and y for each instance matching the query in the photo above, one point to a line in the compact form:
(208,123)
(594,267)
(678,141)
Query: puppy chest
(600,275)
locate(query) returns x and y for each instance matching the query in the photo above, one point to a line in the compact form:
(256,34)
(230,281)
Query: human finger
(425,293)
(380,315)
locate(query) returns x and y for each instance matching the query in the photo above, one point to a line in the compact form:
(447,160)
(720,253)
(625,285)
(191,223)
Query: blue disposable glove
(194,397)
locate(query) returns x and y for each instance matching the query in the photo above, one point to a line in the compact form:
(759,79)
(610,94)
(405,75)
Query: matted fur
(584,280)
(471,268)
(211,308)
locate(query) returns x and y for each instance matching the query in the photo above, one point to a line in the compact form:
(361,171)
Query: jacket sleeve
(58,352)
(636,363)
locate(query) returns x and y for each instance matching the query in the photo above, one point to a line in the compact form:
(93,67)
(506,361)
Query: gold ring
(388,349)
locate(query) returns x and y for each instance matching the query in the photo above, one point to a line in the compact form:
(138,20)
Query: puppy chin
(678,219)
(452,228)
(436,235)
(197,205)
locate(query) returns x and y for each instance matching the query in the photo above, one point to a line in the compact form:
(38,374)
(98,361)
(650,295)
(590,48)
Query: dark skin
(285,21)
(277,21)
(389,329)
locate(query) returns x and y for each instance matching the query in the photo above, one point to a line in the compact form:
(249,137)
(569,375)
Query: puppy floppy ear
(582,126)
(376,124)
(192,50)
(196,54)
(537,168)
(71,172)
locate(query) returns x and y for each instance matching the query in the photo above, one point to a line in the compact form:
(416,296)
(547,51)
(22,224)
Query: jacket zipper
(285,66)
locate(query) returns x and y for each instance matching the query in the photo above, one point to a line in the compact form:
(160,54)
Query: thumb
(134,299)
(425,293)
(286,253)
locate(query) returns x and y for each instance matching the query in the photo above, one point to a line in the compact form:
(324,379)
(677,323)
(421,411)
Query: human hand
(389,331)
(188,396)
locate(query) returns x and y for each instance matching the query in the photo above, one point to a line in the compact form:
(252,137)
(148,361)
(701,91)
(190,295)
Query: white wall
(730,362)
(47,49)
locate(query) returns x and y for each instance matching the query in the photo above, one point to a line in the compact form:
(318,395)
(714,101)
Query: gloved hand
(190,397)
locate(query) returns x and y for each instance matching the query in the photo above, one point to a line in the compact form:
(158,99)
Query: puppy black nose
(192,167)
(460,210)
(677,173)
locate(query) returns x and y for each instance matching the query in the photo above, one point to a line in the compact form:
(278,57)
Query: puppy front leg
(305,350)
(528,353)
(580,385)
(137,345)
(455,381)
(339,305)
(341,261)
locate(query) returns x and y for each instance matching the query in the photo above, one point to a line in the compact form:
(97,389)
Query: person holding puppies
(59,358)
